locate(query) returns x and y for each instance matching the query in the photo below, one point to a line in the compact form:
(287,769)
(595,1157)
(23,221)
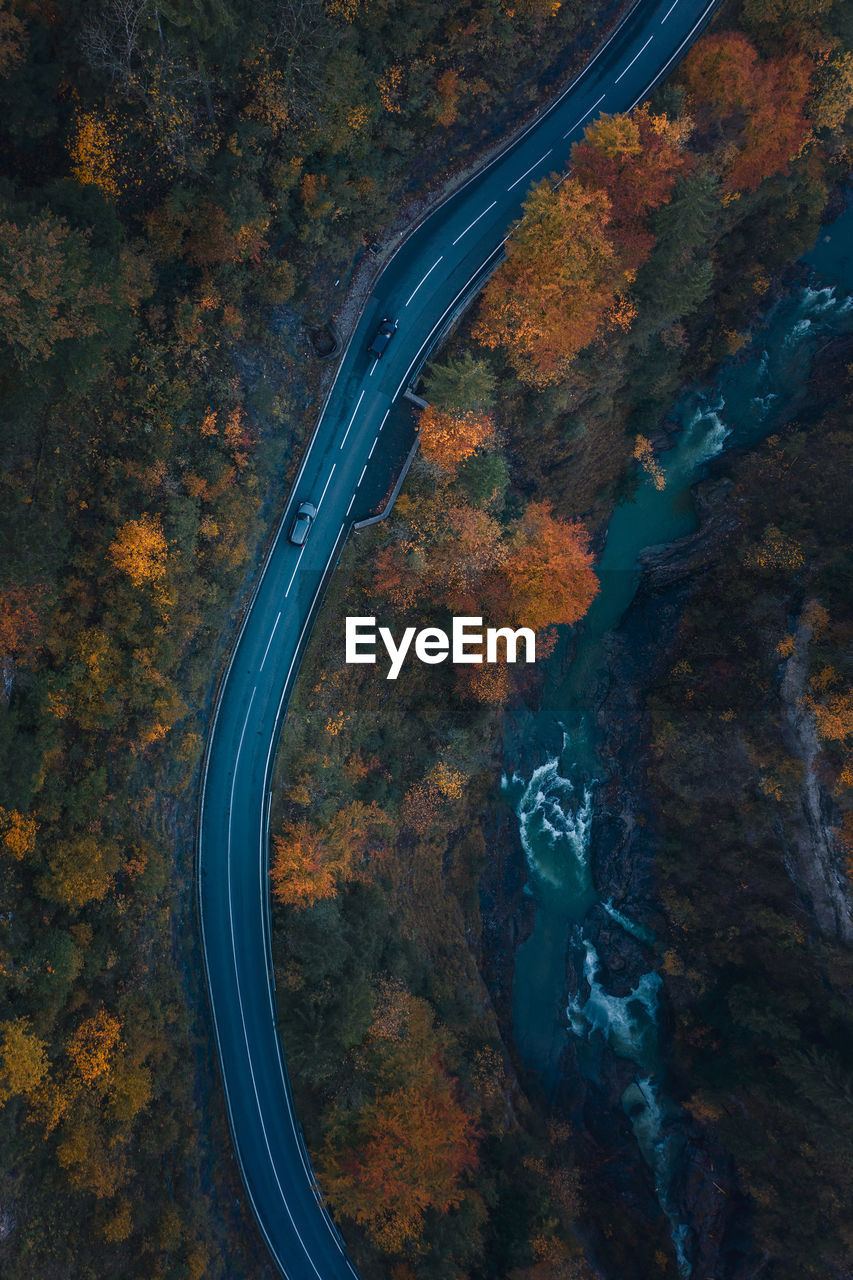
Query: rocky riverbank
(716,853)
(619,1186)
(637,653)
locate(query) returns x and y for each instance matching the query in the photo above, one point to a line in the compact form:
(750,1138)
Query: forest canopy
(181,184)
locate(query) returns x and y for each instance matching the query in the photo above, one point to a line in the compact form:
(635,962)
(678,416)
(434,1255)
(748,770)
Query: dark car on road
(302,523)
(382,337)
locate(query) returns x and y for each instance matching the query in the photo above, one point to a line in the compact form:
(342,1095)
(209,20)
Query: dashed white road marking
(267,928)
(361,477)
(240,1001)
(426,277)
(668,12)
(633,60)
(476,220)
(293,575)
(325,487)
(352,419)
(588,113)
(530,170)
(269,642)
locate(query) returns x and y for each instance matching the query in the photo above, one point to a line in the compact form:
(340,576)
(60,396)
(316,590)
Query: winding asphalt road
(423,285)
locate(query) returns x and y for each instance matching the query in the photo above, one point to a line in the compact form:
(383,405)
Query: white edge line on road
(293,575)
(361,477)
(478,217)
(496,159)
(372,447)
(325,487)
(530,170)
(445,313)
(516,141)
(690,34)
(266,909)
(269,642)
(426,277)
(265,899)
(240,998)
(352,419)
(351,501)
(668,12)
(570,87)
(625,70)
(588,113)
(534,124)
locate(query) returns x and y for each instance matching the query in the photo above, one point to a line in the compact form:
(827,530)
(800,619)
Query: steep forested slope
(168,174)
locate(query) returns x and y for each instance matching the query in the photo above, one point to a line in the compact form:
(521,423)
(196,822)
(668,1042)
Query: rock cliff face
(617,1179)
(624,854)
(506,910)
(705,1194)
(636,653)
(814,862)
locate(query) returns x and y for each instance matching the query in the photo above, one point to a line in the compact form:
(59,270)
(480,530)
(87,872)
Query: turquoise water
(555,798)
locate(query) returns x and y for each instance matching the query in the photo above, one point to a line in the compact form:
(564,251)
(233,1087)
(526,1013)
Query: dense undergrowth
(168,174)
(758,703)
(383,789)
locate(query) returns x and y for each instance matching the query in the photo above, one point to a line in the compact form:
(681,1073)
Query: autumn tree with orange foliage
(445,108)
(47,294)
(430,799)
(834,715)
(310,861)
(409,1152)
(20,623)
(91,1102)
(635,159)
(93,1044)
(302,871)
(140,550)
(448,438)
(17,833)
(441,551)
(758,105)
(23,1060)
(547,578)
(92,153)
(407,1149)
(563,281)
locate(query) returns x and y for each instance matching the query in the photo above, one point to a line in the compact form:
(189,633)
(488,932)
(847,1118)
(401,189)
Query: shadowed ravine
(556,799)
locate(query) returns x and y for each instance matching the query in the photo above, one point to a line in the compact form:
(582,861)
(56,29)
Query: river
(553,769)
